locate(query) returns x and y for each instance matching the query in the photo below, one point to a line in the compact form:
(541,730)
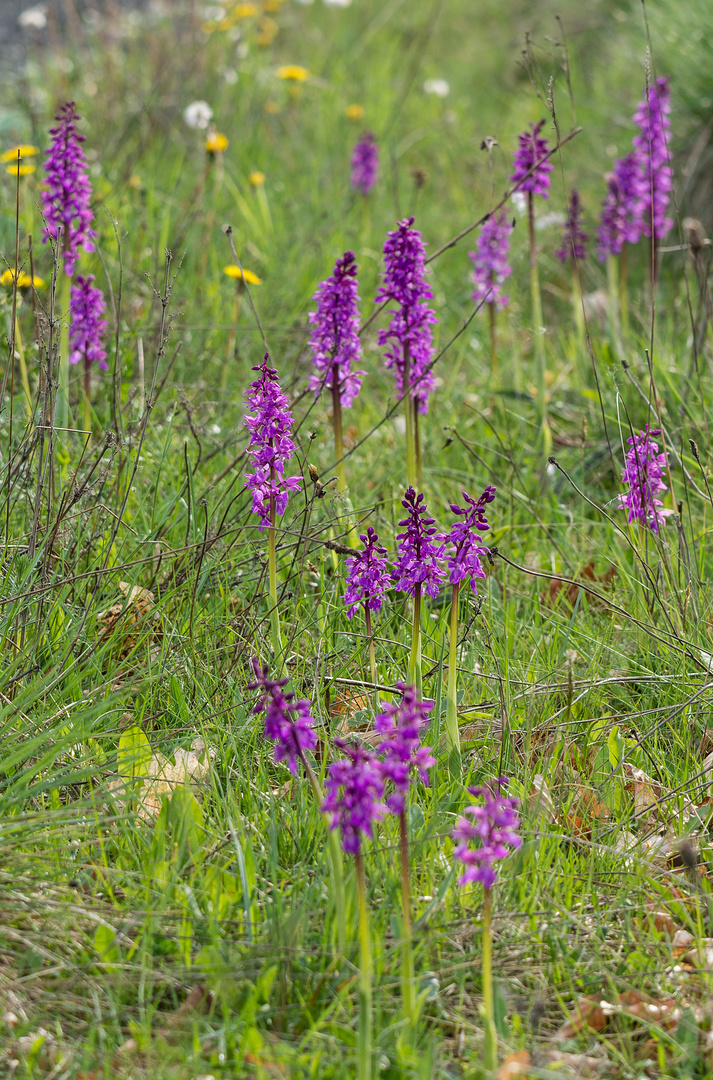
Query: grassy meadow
(167,908)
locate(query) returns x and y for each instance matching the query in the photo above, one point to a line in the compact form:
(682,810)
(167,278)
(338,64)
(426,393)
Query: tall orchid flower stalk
(368,579)
(269,422)
(531,175)
(290,725)
(336,346)
(403,760)
(574,251)
(418,568)
(355,788)
(86,307)
(68,217)
(409,337)
(365,164)
(463,561)
(490,271)
(493,827)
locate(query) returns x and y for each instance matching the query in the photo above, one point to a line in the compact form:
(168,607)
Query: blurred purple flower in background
(574,238)
(335,337)
(365,163)
(288,723)
(409,334)
(464,559)
(493,826)
(491,266)
(420,548)
(354,789)
(269,422)
(532,154)
(403,757)
(86,306)
(368,575)
(621,220)
(651,145)
(65,202)
(643,473)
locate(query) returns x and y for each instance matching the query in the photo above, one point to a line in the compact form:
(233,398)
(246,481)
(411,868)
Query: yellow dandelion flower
(245,276)
(272,6)
(216,143)
(355,112)
(268,31)
(244,11)
(272,107)
(21,170)
(293,72)
(23,150)
(23,280)
(257,179)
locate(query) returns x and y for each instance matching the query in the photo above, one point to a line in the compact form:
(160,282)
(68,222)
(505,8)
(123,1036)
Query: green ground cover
(166,903)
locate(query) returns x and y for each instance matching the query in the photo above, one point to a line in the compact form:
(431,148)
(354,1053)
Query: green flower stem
(414,664)
(537,329)
(493,342)
(491,1037)
(578,312)
(410,429)
(407,977)
(337,423)
(364,1030)
(417,445)
(62,309)
(624,291)
(452,732)
(370,636)
(614,301)
(335,855)
(277,646)
(87,394)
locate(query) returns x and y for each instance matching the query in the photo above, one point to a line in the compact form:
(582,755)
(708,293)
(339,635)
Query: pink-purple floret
(86,305)
(409,334)
(354,793)
(493,826)
(490,261)
(643,473)
(288,723)
(463,559)
(420,549)
(368,575)
(335,336)
(65,202)
(365,164)
(532,158)
(269,422)
(402,756)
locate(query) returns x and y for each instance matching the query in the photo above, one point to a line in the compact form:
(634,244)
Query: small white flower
(519,201)
(198,115)
(336,3)
(439,87)
(231,76)
(35,18)
(548,221)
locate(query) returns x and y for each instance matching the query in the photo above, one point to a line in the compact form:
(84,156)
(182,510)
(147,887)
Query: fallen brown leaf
(588,1014)
(514,1065)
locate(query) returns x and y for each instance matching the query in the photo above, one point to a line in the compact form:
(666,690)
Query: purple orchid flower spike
(493,826)
(335,340)
(532,155)
(652,149)
(269,422)
(464,558)
(354,789)
(621,221)
(86,306)
(491,267)
(643,473)
(574,239)
(409,337)
(421,547)
(365,164)
(368,576)
(403,757)
(288,723)
(65,202)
